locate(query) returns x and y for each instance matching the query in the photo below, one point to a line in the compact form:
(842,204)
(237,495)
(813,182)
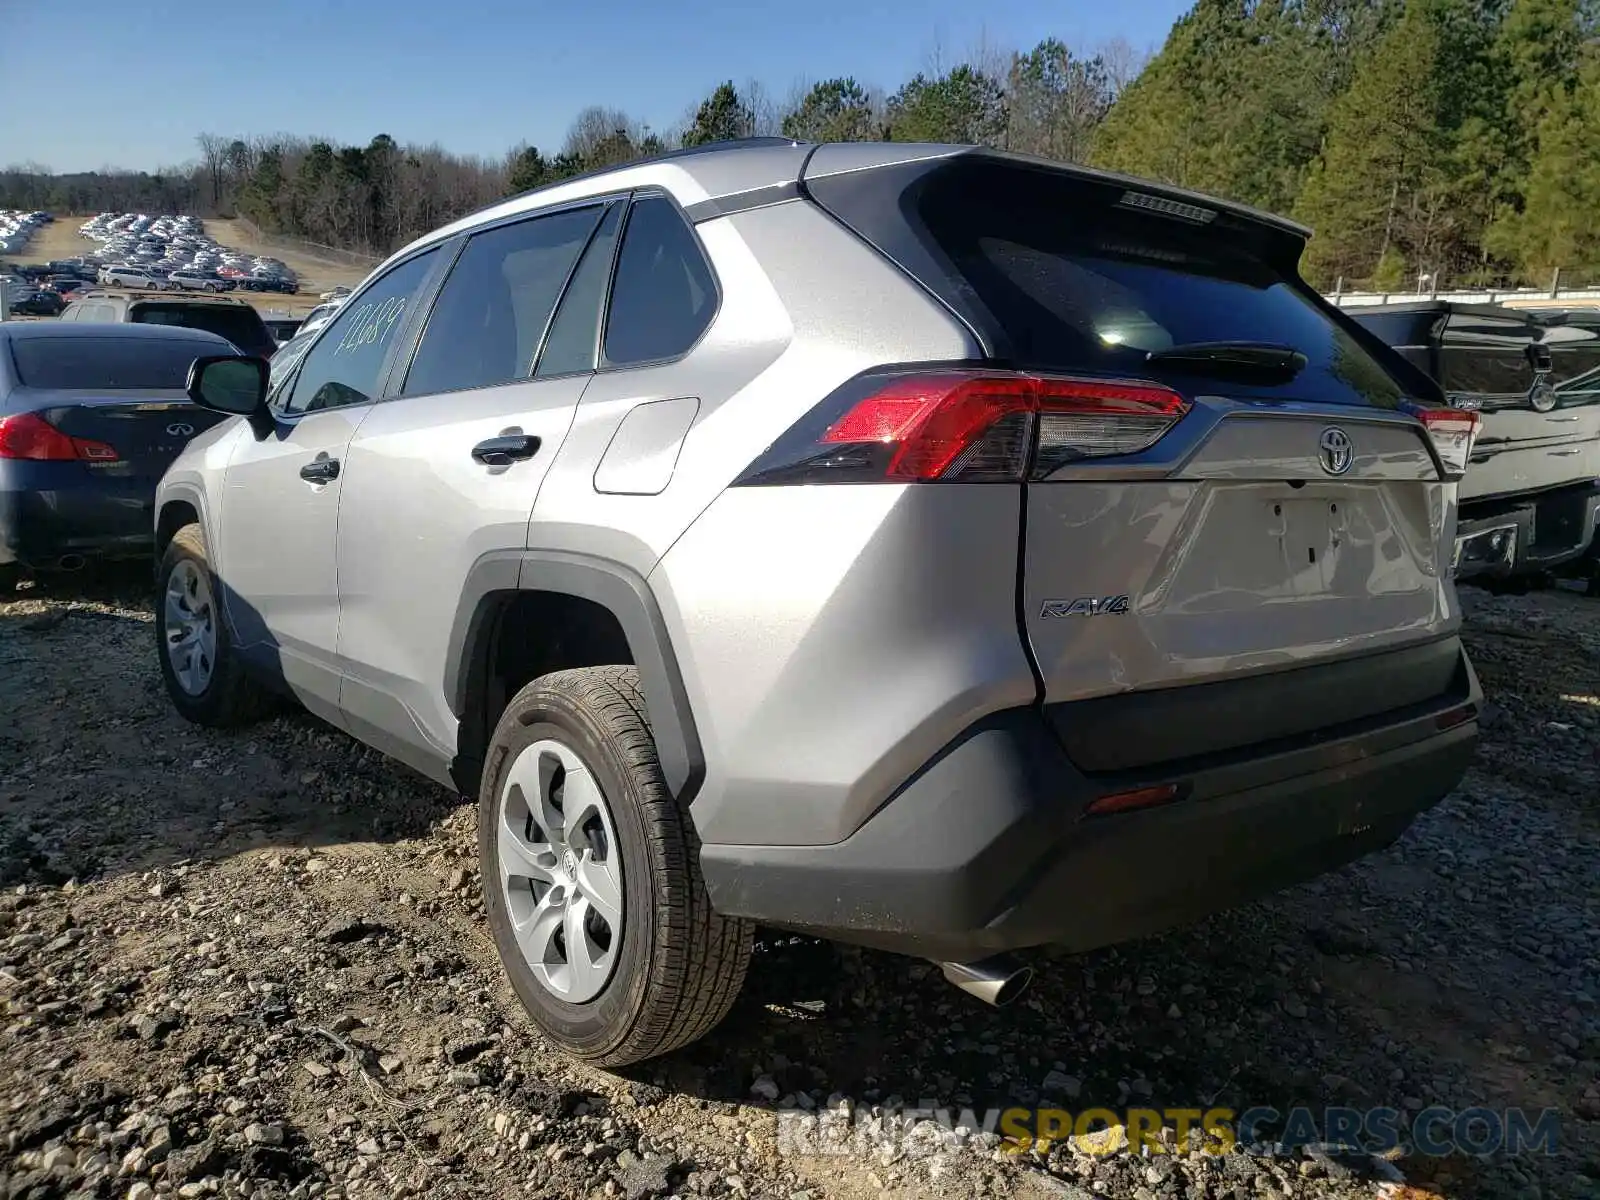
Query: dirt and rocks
(254,964)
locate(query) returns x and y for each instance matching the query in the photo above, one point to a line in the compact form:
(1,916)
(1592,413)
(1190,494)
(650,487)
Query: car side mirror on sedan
(234,384)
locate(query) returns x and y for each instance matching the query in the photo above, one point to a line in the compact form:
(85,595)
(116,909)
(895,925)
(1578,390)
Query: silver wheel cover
(191,627)
(560,871)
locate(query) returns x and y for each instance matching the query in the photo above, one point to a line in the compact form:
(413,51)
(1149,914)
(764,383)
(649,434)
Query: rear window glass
(239,324)
(84,363)
(1077,283)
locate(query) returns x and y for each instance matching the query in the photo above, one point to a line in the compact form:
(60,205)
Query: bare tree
(1122,62)
(214,154)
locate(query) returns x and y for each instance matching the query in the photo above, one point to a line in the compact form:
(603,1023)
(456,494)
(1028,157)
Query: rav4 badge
(1085,606)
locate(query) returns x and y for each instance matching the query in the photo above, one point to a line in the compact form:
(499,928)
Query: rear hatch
(1266,500)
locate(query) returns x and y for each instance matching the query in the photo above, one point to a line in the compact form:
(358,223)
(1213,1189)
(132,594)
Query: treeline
(1453,139)
(1456,141)
(378,196)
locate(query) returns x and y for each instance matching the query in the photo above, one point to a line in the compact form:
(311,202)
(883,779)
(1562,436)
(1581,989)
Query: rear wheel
(10,576)
(205,677)
(591,876)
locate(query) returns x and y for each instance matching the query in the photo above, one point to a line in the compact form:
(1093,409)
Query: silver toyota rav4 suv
(922,547)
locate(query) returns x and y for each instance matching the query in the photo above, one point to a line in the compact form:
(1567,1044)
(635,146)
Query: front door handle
(320,470)
(504,450)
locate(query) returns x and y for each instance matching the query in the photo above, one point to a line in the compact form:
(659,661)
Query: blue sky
(476,76)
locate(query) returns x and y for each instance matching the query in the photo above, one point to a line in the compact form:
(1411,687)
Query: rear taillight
(966,426)
(30,436)
(1453,433)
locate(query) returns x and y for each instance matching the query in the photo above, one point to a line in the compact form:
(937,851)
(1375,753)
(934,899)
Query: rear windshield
(241,325)
(88,363)
(1074,282)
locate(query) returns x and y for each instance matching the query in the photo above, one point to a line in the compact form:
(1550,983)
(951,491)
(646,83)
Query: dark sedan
(42,303)
(90,418)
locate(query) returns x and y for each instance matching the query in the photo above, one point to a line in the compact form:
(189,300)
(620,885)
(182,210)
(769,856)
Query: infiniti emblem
(181,430)
(1336,450)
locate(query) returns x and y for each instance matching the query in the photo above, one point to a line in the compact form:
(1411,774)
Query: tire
(226,696)
(679,966)
(10,576)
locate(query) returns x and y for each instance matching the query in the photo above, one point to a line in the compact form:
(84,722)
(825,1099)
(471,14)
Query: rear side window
(663,297)
(492,311)
(86,363)
(1075,281)
(574,337)
(239,323)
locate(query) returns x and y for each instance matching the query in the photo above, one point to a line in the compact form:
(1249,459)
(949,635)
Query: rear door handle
(504,450)
(320,470)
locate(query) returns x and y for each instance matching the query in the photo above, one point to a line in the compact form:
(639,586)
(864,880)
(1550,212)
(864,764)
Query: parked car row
(175,253)
(17,228)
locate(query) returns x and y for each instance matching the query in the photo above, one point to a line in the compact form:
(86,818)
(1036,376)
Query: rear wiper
(1245,360)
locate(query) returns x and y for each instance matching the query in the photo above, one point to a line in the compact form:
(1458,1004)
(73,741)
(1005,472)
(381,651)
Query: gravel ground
(255,964)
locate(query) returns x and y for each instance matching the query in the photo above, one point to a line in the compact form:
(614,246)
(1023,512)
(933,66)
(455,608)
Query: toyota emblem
(1336,450)
(179,429)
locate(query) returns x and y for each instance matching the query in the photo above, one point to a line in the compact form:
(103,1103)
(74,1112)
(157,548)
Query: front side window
(343,367)
(491,314)
(663,297)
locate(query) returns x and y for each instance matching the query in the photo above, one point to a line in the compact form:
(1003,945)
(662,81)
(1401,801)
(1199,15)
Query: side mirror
(231,384)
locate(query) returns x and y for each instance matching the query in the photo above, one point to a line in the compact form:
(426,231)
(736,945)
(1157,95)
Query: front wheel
(205,677)
(591,876)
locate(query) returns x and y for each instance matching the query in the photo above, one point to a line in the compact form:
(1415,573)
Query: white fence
(1511,297)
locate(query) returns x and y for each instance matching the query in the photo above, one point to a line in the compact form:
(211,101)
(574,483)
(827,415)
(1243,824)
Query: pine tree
(964,106)
(835,110)
(528,171)
(1559,225)
(722,117)
(1234,104)
(1376,189)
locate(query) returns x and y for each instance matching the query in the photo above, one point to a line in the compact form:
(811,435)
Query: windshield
(95,363)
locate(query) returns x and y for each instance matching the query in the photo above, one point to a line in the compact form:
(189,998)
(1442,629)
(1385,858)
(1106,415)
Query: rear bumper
(987,848)
(55,511)
(1506,537)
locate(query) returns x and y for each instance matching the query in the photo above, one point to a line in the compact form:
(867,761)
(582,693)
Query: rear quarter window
(663,295)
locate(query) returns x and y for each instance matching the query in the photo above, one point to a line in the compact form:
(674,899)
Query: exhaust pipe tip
(996,981)
(72,562)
